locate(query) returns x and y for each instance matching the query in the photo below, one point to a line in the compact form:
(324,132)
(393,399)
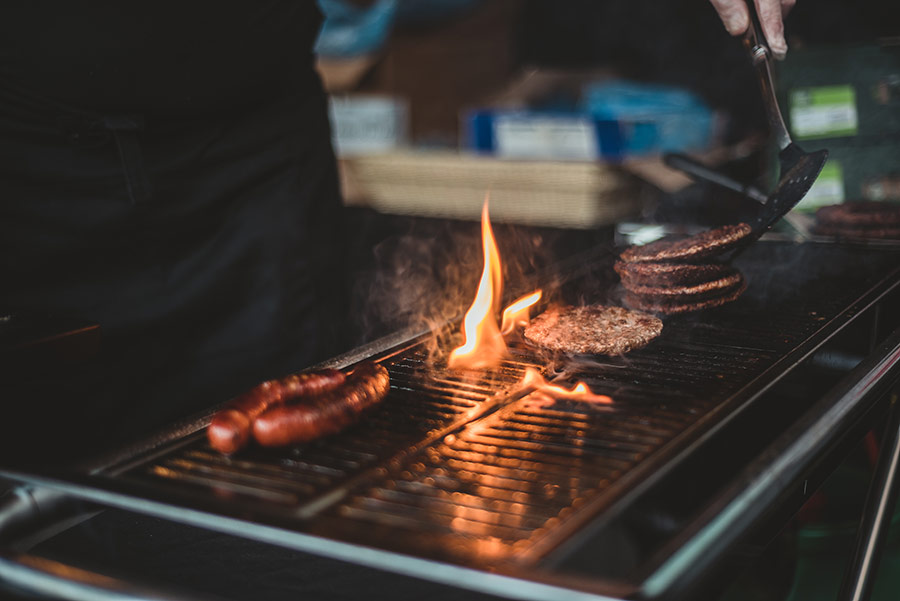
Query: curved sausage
(230,428)
(324,414)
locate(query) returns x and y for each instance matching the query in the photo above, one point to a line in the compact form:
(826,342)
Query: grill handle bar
(776,470)
(876,516)
(25,509)
(32,574)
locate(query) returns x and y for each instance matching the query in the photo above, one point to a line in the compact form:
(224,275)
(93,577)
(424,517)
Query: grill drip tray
(464,470)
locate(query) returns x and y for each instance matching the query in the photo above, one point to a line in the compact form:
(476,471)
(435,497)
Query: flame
(545,393)
(483,345)
(517,314)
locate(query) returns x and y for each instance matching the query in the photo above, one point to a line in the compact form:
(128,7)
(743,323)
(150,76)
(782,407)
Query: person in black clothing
(166,171)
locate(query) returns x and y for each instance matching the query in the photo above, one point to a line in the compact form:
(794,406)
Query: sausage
(316,416)
(230,428)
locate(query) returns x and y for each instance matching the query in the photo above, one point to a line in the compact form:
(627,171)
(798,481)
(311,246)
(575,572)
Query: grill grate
(514,475)
(461,467)
(423,402)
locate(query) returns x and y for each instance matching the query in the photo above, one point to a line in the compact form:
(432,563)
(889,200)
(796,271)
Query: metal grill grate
(461,467)
(499,484)
(422,404)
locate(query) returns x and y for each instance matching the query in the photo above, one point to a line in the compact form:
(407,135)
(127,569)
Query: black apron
(189,206)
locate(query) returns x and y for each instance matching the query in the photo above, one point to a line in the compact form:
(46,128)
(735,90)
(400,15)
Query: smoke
(426,277)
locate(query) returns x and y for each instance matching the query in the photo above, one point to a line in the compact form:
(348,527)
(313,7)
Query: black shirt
(166,172)
(173,56)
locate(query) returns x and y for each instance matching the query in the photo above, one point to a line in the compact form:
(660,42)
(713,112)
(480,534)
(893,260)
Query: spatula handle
(700,171)
(761,57)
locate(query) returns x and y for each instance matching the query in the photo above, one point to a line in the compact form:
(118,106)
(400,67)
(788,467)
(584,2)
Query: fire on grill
(302,407)
(592,329)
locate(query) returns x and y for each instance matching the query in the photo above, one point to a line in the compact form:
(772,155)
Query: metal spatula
(799,169)
(701,172)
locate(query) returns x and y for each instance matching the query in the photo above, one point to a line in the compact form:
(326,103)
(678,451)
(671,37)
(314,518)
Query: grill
(461,470)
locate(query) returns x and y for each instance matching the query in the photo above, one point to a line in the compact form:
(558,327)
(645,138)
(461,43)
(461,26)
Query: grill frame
(527,584)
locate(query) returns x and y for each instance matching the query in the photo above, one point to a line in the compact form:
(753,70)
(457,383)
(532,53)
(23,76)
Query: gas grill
(718,431)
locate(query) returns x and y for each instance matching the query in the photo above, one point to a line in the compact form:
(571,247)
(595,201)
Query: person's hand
(735,16)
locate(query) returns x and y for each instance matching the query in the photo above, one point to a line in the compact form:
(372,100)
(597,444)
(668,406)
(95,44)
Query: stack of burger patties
(868,219)
(678,276)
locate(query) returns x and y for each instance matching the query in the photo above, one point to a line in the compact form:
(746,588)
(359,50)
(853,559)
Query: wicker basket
(451,185)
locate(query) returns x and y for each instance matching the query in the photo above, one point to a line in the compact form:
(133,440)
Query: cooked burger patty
(684,304)
(694,292)
(592,329)
(867,213)
(660,274)
(705,244)
(842,231)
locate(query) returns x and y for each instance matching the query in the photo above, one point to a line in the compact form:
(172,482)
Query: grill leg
(876,517)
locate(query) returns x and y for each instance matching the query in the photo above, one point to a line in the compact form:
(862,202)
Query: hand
(735,16)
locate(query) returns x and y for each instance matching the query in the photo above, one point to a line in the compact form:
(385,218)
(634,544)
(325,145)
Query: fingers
(734,15)
(770,18)
(736,18)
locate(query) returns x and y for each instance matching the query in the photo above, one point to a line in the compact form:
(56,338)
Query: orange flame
(545,393)
(483,345)
(517,314)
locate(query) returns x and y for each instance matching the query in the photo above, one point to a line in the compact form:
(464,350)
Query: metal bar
(876,517)
(770,476)
(55,580)
(530,587)
(26,509)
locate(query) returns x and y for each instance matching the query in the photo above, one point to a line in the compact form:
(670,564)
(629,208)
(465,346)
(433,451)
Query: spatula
(798,169)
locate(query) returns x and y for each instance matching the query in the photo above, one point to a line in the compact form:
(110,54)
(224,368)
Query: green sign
(823,112)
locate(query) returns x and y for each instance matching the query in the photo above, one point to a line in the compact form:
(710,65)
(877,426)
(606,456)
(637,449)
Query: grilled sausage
(324,414)
(231,427)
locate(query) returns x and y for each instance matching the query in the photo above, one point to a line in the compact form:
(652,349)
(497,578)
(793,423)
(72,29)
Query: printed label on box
(828,189)
(367,124)
(545,137)
(823,112)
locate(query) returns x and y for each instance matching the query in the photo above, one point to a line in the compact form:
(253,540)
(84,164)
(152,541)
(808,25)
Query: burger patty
(683,304)
(859,214)
(592,329)
(669,274)
(705,244)
(694,292)
(843,231)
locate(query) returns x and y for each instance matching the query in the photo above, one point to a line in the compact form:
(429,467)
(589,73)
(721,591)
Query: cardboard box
(570,194)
